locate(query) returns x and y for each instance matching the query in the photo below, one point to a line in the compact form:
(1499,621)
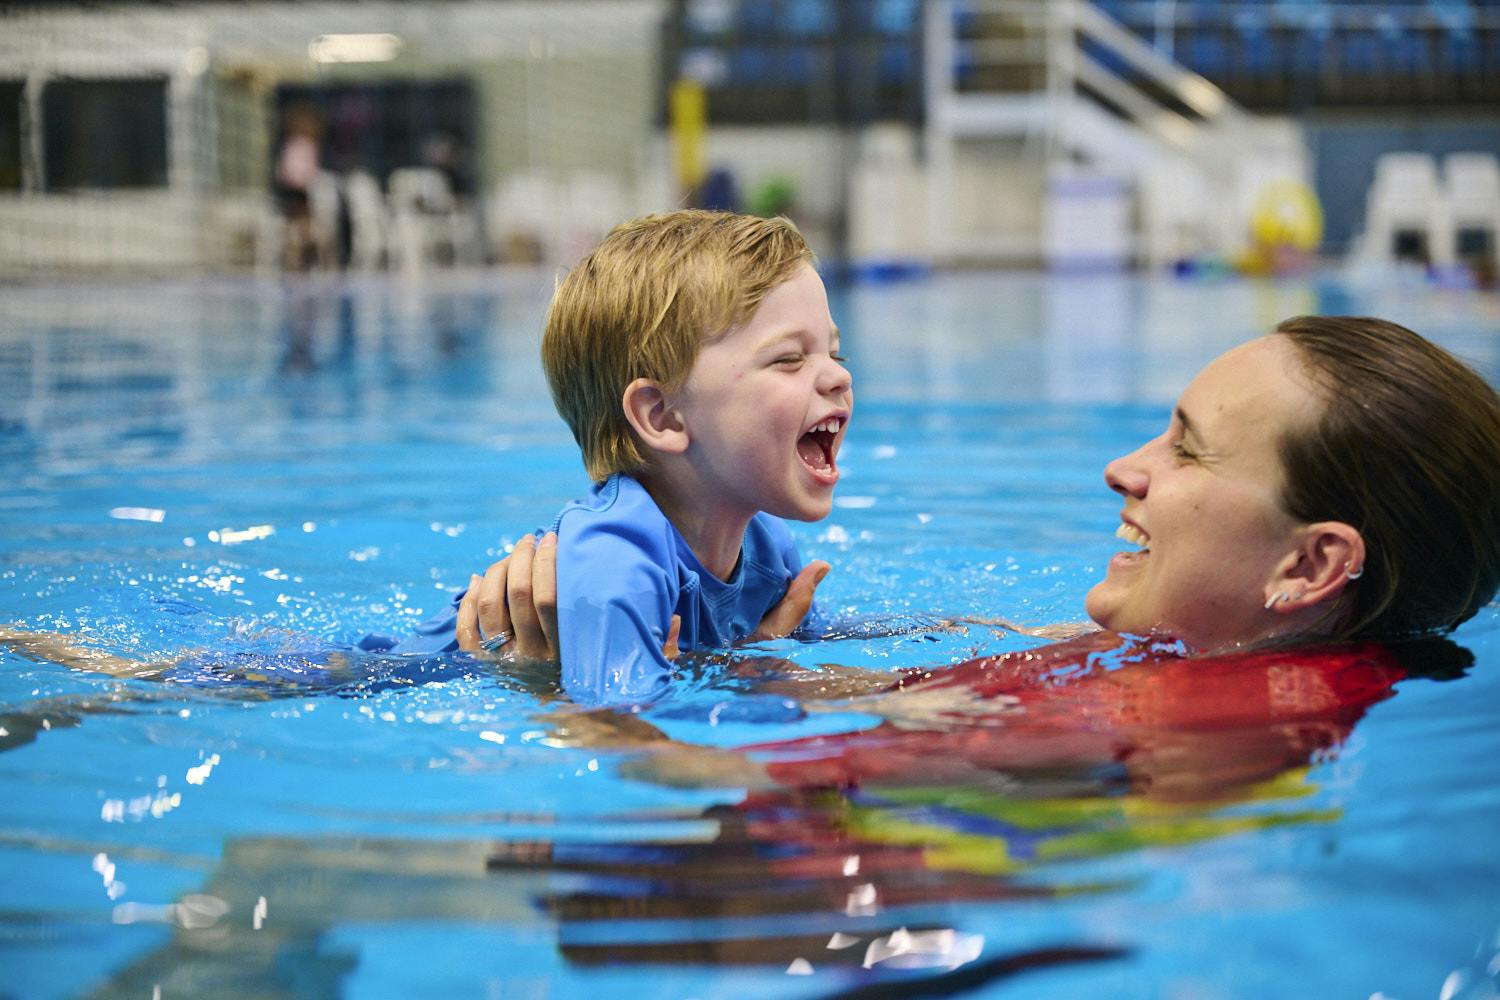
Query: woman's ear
(1328,555)
(659,427)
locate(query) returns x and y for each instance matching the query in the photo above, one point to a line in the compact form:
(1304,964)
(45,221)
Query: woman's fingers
(517,595)
(784,618)
(670,649)
(544,596)
(526,616)
(494,616)
(481,611)
(467,631)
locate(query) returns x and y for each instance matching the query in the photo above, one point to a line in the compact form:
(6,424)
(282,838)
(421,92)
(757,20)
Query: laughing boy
(694,358)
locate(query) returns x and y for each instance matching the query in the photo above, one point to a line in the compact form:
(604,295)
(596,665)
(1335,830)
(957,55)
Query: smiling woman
(1338,478)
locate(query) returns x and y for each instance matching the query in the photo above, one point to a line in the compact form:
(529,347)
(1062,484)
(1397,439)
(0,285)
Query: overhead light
(196,61)
(354,48)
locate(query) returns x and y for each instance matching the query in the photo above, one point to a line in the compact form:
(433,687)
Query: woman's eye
(1181,451)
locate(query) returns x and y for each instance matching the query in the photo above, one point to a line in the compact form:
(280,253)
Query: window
(12,94)
(105,133)
(384,125)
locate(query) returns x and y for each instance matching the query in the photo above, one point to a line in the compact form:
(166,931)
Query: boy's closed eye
(796,360)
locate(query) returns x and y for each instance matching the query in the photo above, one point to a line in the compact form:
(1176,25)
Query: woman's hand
(517,595)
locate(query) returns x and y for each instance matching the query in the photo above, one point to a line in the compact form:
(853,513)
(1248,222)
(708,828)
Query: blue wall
(1345,149)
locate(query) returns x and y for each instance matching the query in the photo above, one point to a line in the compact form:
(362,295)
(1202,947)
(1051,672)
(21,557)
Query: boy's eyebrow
(777,338)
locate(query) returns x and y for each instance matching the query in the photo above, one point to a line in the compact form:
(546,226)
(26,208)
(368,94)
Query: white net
(170,137)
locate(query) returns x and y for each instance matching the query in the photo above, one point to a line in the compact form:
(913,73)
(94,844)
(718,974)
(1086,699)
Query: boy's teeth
(1133,535)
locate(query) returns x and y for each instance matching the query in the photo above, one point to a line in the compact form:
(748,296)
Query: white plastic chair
(593,202)
(368,222)
(1406,204)
(1471,183)
(422,215)
(1176,210)
(522,216)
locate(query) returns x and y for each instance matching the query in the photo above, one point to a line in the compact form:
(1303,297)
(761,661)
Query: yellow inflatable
(1286,226)
(1287,214)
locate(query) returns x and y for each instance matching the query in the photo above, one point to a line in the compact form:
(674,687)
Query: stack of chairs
(1445,219)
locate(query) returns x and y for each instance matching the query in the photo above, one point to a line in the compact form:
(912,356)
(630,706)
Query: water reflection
(166,371)
(262,923)
(326,327)
(914,858)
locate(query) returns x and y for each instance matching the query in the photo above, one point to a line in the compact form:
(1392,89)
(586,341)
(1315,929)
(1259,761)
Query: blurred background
(1198,136)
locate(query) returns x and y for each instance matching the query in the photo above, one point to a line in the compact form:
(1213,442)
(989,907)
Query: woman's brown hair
(1408,452)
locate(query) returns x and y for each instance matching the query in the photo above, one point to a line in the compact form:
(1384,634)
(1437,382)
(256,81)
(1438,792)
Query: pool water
(249,470)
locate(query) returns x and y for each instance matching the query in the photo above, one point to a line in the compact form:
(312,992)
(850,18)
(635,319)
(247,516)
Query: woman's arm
(518,595)
(56,647)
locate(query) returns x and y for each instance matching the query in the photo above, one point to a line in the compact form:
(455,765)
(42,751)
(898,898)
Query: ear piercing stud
(1283,595)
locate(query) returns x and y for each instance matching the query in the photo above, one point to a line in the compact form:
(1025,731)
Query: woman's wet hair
(1434,657)
(1408,452)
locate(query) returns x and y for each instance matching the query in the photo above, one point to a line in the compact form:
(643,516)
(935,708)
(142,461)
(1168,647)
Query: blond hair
(640,306)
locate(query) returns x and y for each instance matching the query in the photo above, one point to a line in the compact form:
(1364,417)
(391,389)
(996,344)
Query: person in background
(297,171)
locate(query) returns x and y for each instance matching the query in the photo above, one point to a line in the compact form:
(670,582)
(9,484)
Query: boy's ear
(1328,555)
(651,416)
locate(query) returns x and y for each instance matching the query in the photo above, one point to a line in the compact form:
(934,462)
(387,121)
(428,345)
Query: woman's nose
(1127,476)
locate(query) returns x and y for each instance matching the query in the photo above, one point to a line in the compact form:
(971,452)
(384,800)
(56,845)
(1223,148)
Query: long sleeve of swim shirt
(623,571)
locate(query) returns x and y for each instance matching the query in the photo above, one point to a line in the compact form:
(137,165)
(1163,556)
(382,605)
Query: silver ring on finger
(497,640)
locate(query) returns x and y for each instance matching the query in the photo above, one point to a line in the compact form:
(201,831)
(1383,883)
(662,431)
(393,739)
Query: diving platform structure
(1054,101)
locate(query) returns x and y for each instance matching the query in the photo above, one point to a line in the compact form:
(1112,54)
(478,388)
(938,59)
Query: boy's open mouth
(818,448)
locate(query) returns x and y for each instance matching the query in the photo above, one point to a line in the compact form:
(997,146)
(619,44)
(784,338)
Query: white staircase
(1022,73)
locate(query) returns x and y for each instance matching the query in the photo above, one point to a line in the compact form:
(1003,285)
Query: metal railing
(1069,80)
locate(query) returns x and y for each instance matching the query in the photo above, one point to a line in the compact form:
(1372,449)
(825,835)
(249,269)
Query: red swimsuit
(1182,726)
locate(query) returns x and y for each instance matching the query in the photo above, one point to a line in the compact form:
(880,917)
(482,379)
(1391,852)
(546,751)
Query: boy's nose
(834,379)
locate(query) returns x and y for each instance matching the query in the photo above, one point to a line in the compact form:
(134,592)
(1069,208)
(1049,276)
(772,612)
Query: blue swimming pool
(247,468)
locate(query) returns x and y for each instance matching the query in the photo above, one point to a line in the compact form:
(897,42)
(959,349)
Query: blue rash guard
(623,571)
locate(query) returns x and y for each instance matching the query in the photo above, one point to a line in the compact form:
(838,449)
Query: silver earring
(1353,574)
(1277,599)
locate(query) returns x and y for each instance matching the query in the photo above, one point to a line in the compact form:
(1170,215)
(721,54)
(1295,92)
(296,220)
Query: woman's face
(1203,502)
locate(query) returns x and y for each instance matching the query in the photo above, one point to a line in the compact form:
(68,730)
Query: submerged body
(1154,718)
